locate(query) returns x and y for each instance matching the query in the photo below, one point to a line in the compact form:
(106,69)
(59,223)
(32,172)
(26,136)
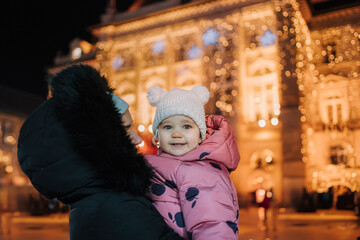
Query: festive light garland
(304,57)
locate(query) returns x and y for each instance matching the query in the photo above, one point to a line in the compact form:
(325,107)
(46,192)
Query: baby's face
(178,135)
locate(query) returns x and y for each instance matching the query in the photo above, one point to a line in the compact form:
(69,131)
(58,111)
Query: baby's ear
(202,92)
(154,95)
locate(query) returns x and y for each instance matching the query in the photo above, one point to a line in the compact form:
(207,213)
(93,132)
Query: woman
(78,147)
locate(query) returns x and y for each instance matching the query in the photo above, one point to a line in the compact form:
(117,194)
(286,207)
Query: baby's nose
(176,133)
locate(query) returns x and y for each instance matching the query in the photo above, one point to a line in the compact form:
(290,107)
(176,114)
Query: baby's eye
(167,127)
(187,126)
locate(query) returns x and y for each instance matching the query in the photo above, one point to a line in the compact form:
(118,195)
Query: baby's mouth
(177,144)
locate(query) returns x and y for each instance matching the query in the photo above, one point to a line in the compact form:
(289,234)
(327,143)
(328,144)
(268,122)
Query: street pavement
(281,224)
(20,226)
(286,224)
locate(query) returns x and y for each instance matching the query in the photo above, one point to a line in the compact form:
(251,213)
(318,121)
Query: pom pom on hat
(178,101)
(202,92)
(154,95)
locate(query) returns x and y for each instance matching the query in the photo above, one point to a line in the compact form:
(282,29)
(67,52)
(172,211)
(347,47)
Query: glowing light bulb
(274,121)
(269,194)
(9,169)
(76,53)
(141,128)
(262,123)
(268,159)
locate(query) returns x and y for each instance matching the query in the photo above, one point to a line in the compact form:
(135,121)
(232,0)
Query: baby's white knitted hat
(178,101)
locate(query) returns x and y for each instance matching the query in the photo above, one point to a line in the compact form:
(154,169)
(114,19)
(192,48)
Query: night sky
(33,32)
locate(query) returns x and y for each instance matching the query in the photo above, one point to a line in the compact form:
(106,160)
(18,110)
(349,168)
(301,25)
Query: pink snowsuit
(194,192)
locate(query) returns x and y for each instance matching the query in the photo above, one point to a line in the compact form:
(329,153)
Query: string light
(328,49)
(305,58)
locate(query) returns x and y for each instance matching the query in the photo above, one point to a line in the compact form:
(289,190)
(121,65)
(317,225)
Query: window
(263,101)
(338,155)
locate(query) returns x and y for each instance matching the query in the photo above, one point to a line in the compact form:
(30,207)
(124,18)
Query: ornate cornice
(168,16)
(334,18)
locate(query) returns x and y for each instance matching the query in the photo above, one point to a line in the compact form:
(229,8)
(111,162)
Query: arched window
(334,111)
(333,102)
(261,101)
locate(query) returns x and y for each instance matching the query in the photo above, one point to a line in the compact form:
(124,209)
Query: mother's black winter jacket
(74,148)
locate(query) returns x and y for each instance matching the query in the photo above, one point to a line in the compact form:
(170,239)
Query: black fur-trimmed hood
(84,108)
(87,111)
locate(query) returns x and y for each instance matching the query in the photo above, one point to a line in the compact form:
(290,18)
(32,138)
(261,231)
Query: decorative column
(293,168)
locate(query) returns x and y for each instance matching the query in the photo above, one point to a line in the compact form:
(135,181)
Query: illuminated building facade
(285,78)
(232,47)
(328,77)
(14,107)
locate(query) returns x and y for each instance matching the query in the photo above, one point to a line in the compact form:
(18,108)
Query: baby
(192,189)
